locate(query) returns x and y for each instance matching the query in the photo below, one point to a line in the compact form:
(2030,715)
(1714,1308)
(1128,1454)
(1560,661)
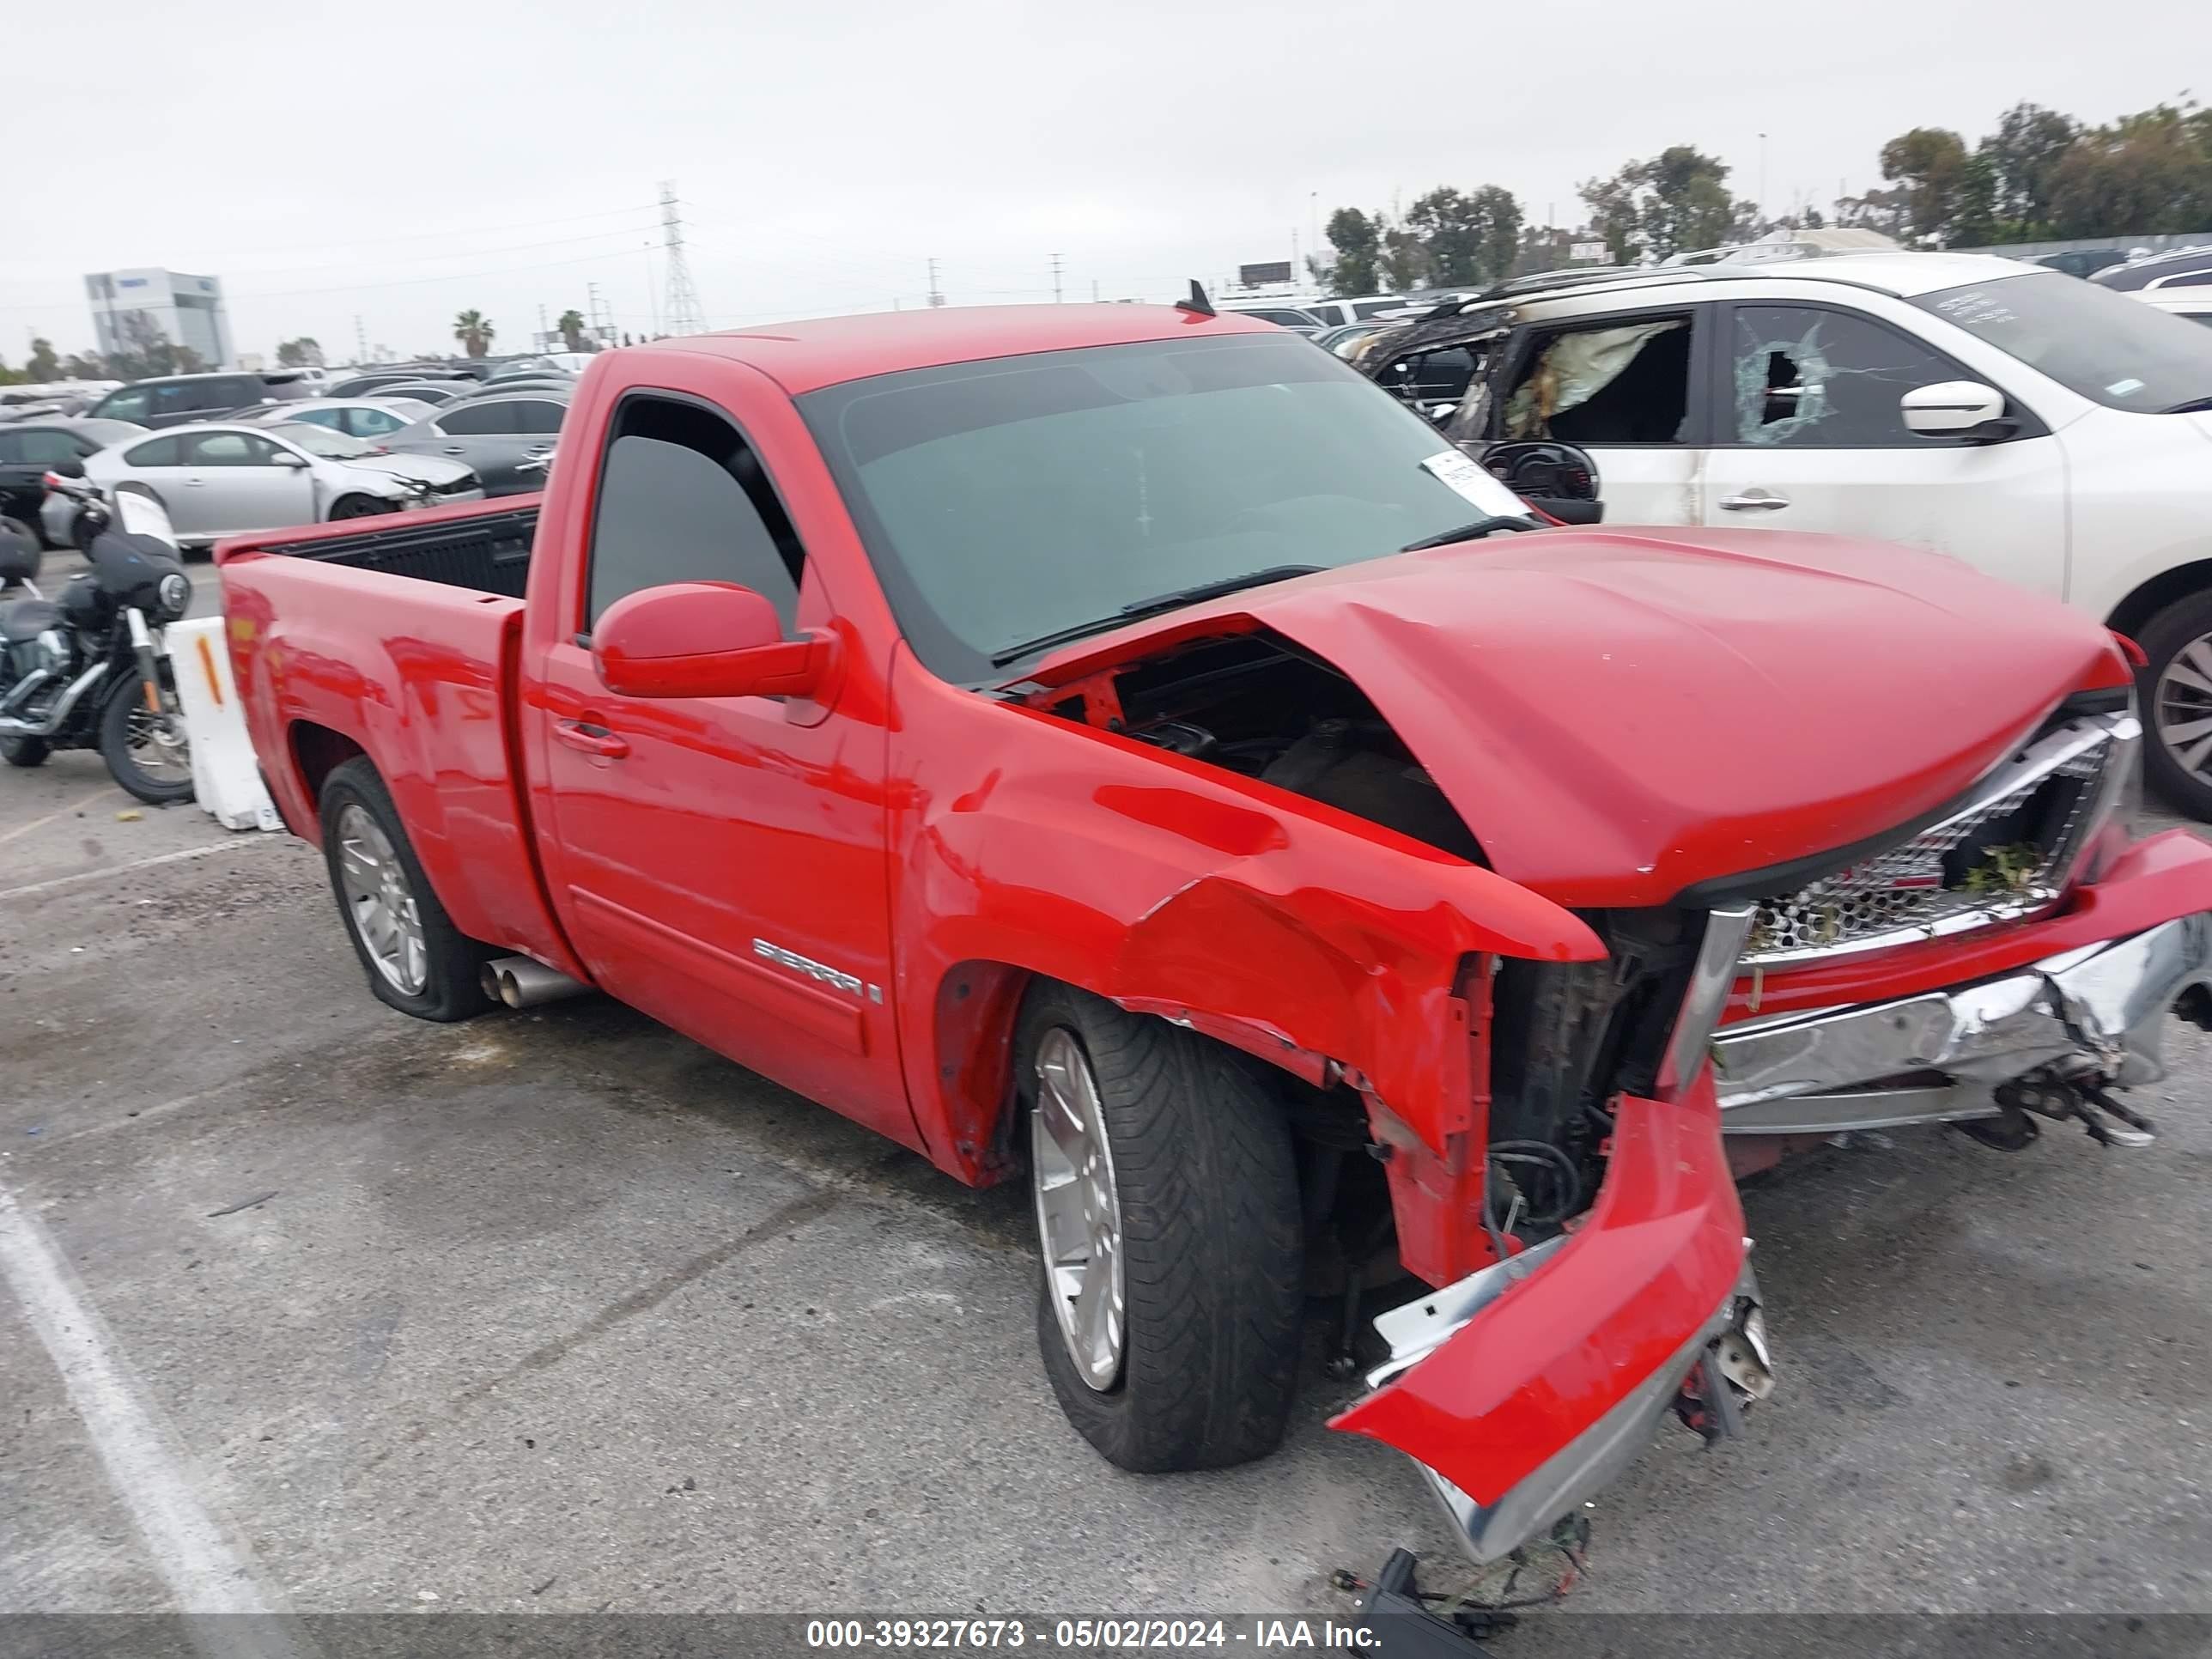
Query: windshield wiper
(1214,590)
(1469,532)
(2194,406)
(1153,606)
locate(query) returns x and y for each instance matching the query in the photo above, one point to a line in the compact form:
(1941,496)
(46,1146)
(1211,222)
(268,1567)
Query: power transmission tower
(602,315)
(1055,279)
(681,314)
(359,340)
(935,297)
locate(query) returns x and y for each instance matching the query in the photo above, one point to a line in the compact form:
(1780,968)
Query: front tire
(359,507)
(149,754)
(417,960)
(2176,698)
(1166,1193)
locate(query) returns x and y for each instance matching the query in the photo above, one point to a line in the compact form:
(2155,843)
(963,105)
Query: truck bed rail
(489,552)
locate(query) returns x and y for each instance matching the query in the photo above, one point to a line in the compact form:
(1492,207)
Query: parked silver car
(504,440)
(221,480)
(373,418)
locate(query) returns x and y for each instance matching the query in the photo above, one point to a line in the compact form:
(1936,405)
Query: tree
(1358,241)
(142,349)
(1930,164)
(1676,201)
(1613,217)
(571,325)
(302,353)
(42,365)
(2144,174)
(84,366)
(2024,151)
(1405,262)
(1444,222)
(474,333)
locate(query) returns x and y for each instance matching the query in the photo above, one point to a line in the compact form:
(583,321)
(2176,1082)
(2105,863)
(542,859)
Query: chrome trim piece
(821,972)
(1702,1003)
(2114,741)
(12,726)
(2101,1007)
(1593,1458)
(1418,1328)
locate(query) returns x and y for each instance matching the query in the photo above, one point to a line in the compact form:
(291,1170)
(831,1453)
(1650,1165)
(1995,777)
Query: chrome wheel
(157,744)
(1079,1211)
(381,902)
(2181,707)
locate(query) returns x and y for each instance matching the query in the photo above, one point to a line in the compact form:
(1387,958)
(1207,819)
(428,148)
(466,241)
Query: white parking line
(206,1571)
(61,813)
(113,870)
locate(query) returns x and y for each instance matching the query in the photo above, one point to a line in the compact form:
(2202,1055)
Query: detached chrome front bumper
(2102,1004)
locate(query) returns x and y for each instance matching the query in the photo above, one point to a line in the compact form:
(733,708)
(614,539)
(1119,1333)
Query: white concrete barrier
(226,778)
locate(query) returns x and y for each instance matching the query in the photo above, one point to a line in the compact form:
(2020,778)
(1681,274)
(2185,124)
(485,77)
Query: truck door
(1809,436)
(1626,386)
(719,863)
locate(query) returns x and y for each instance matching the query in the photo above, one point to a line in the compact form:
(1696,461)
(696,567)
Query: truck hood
(1620,714)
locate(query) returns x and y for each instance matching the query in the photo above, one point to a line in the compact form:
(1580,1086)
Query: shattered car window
(1625,384)
(1807,378)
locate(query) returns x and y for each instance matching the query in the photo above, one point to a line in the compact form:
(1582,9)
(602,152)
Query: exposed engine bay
(1568,1036)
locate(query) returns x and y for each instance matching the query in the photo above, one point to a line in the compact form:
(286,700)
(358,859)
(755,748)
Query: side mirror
(285,458)
(703,640)
(1952,409)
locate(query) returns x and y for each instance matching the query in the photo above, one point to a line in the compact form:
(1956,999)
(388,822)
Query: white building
(130,308)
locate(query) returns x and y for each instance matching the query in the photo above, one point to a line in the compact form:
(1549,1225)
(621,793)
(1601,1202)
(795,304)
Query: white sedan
(223,479)
(369,418)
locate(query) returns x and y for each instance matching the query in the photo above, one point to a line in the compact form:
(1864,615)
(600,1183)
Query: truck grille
(2010,852)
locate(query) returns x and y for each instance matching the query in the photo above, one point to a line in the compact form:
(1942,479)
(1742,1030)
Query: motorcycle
(87,671)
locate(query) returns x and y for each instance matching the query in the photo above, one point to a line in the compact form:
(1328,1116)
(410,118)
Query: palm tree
(571,325)
(474,333)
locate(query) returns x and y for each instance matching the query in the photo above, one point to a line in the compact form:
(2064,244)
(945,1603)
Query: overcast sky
(400,160)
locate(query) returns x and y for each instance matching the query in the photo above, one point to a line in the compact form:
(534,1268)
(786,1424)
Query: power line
(683,313)
(380,238)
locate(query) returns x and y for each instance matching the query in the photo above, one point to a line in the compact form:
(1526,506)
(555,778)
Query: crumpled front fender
(1546,1392)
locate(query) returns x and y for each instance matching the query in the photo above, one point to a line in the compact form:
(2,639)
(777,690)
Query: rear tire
(359,507)
(1201,1183)
(449,960)
(130,736)
(24,751)
(2179,642)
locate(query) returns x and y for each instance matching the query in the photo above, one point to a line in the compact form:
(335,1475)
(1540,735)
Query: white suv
(2044,429)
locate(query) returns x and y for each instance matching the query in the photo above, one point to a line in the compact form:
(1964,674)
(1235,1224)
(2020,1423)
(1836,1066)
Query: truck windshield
(1034,497)
(2123,353)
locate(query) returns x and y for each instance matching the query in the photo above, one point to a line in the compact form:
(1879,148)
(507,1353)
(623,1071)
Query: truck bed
(399,639)
(479,546)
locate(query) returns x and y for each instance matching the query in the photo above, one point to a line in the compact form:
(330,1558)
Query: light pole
(1762,177)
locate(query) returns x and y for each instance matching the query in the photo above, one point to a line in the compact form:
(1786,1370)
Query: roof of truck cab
(804,357)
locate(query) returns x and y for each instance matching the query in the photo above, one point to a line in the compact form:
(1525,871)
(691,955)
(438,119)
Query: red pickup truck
(1114,746)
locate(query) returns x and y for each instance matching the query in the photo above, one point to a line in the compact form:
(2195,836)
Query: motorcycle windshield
(142,516)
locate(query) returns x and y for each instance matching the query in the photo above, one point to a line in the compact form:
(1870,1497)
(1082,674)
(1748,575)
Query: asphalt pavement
(557,1311)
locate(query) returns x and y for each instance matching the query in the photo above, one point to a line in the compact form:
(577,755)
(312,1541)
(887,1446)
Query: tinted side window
(332,418)
(228,449)
(47,448)
(132,403)
(477,420)
(683,499)
(1616,383)
(542,418)
(362,423)
(158,452)
(1826,380)
(11,448)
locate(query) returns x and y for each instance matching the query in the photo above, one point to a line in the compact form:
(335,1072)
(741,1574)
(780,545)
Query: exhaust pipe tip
(524,983)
